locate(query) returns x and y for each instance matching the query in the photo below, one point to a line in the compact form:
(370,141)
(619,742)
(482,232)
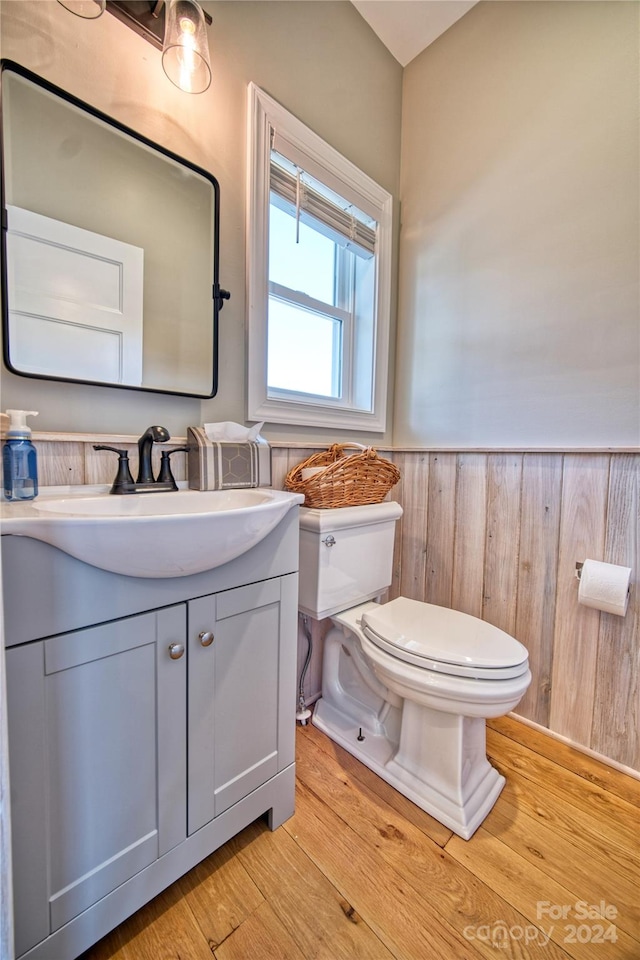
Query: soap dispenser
(19,458)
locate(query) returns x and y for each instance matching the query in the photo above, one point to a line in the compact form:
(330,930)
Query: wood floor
(360,872)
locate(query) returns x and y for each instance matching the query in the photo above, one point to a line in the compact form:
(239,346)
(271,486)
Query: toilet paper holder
(578,574)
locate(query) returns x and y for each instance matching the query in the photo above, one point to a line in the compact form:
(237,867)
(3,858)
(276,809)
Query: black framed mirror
(110,248)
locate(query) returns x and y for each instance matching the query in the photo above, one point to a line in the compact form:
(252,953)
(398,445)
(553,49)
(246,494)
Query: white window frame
(264,116)
(341,345)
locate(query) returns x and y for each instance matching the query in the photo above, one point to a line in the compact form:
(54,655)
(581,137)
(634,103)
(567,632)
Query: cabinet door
(97,742)
(241,693)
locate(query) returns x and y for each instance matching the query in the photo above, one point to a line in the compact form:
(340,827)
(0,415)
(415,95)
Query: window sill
(307,415)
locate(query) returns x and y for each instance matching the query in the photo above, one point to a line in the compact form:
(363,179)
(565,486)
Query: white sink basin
(151,534)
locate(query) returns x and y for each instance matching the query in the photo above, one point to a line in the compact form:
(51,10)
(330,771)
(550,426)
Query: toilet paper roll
(604,586)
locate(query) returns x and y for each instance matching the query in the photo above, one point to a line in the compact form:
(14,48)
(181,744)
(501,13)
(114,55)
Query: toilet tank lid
(424,631)
(338,518)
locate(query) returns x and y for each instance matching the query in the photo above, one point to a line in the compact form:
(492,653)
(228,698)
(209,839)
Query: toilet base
(438,762)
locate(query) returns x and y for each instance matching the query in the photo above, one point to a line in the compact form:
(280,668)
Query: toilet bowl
(407,686)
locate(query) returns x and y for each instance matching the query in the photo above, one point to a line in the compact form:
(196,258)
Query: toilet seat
(443,640)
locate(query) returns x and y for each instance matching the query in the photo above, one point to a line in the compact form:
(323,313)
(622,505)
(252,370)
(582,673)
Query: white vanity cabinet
(142,741)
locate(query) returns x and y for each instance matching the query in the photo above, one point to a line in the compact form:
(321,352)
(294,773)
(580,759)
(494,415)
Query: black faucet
(145,482)
(145,443)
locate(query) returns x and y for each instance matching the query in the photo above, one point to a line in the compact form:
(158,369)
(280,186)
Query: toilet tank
(346,556)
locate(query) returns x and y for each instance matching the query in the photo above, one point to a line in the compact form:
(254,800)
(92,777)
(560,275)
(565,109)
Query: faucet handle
(165,475)
(123,482)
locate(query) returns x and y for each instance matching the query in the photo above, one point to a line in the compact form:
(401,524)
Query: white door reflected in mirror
(77,299)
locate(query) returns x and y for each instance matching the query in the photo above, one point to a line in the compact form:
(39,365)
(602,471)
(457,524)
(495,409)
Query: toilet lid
(444,640)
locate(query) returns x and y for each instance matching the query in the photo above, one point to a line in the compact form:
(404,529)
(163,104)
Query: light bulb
(185,54)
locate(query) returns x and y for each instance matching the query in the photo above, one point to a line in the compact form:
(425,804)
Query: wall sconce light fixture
(185,53)
(177,27)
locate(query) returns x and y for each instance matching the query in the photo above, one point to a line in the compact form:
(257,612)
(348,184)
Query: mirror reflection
(110,249)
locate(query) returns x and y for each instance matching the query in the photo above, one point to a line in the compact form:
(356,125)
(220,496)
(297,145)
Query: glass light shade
(88,9)
(185,54)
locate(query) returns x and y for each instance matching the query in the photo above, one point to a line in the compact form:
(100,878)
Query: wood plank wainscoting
(496,535)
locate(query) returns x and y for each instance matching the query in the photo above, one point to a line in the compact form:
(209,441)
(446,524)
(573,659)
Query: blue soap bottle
(19,458)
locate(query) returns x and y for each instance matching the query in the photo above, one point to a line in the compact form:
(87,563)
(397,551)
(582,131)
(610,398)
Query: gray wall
(519,309)
(319,59)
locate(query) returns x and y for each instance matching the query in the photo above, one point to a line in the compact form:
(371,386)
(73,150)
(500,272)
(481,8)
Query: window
(319,247)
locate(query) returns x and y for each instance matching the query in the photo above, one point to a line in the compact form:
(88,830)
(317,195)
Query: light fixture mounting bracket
(145,17)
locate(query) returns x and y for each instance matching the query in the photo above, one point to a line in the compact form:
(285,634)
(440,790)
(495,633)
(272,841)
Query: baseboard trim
(620,767)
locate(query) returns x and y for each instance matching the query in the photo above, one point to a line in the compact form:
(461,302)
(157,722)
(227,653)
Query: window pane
(307,266)
(303,351)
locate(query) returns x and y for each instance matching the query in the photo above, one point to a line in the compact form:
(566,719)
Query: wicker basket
(346,480)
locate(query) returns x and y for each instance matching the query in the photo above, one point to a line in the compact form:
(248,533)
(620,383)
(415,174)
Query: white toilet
(406,686)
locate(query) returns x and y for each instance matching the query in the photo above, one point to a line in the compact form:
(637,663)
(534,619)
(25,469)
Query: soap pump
(19,459)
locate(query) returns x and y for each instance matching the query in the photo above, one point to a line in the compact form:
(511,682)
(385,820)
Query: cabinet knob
(206,638)
(176,650)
